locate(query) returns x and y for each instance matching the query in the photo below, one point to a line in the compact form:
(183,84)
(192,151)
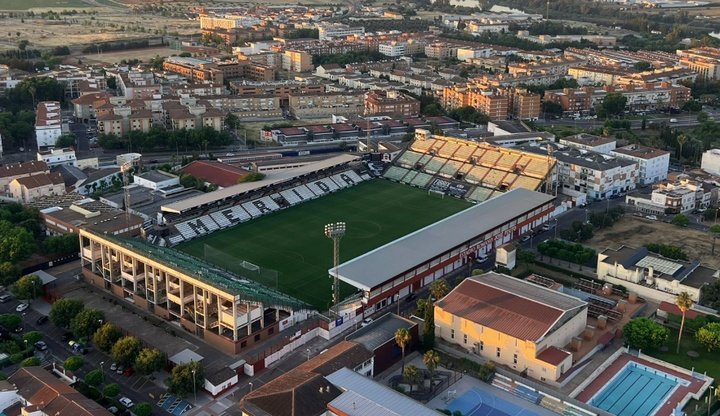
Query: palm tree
(402,338)
(411,375)
(431,359)
(681,139)
(439,289)
(684,302)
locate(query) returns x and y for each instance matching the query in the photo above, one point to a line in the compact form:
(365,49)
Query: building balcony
(127,275)
(91,254)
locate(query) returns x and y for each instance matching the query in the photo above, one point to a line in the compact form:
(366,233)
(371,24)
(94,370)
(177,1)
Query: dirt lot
(115,57)
(636,232)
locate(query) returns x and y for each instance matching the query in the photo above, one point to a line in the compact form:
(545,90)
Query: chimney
(632,298)
(622,305)
(577,343)
(589,332)
(601,322)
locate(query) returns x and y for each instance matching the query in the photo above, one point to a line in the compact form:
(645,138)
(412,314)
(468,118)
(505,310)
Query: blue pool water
(636,391)
(476,402)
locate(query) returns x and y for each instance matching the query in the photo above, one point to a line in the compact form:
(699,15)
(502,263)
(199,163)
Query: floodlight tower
(335,231)
(125,169)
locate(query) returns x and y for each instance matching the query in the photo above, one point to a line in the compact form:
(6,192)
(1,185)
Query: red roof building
(220,174)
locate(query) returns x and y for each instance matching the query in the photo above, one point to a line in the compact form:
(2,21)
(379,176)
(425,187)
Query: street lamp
(102,373)
(194,388)
(335,231)
(251,386)
(308,354)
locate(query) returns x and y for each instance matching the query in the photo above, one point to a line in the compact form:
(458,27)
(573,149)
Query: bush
(111,390)
(667,250)
(645,334)
(143,409)
(73,363)
(575,253)
(30,362)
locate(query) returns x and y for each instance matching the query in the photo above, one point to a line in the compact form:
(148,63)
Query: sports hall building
(403,266)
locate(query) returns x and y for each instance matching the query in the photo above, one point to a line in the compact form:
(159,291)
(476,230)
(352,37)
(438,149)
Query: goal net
(241,267)
(436,194)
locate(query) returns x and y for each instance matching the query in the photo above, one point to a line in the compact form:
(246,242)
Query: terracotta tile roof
(44,392)
(553,355)
(485,303)
(22,168)
(673,309)
(291,131)
(141,114)
(48,114)
(220,174)
(298,392)
(89,99)
(43,179)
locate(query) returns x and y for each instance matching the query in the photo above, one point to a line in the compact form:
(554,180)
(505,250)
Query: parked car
(113,409)
(652,217)
(126,402)
(366,322)
(41,346)
(113,367)
(21,307)
(482,258)
(120,369)
(524,238)
(5,298)
(41,320)
(128,372)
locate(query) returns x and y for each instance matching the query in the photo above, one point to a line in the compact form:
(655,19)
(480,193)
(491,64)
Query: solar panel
(661,265)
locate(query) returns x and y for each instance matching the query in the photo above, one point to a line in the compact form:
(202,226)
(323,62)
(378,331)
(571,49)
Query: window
(257,337)
(464,338)
(481,345)
(497,353)
(514,358)
(452,334)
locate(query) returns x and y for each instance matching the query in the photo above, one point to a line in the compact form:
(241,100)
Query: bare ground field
(636,232)
(115,57)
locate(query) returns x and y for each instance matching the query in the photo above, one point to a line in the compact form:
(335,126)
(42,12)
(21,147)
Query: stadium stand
(263,202)
(483,165)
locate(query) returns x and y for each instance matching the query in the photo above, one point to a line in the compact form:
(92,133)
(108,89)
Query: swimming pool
(636,391)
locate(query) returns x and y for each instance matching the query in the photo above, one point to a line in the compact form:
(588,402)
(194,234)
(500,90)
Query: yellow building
(512,322)
(228,312)
(297,61)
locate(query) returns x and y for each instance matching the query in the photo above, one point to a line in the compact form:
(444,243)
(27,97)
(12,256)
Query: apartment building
(590,142)
(391,103)
(12,171)
(122,120)
(297,61)
(228,22)
(523,104)
(705,61)
(711,162)
(137,84)
(48,123)
(639,97)
(226,311)
(199,70)
(327,31)
(592,74)
(350,103)
(84,105)
(512,322)
(58,157)
(653,163)
(487,100)
(441,50)
(29,188)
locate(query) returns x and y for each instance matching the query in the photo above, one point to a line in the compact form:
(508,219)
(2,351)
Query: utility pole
(335,231)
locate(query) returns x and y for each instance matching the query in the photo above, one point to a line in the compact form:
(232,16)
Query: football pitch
(290,246)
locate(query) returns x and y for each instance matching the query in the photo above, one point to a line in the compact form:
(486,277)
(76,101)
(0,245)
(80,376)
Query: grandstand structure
(230,206)
(229,312)
(403,266)
(476,171)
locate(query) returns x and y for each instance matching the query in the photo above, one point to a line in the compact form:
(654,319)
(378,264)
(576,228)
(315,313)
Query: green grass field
(29,4)
(293,242)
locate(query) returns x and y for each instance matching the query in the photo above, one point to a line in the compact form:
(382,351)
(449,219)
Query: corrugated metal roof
(386,262)
(514,307)
(365,397)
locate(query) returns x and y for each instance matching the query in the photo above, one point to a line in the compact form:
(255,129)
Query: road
(58,351)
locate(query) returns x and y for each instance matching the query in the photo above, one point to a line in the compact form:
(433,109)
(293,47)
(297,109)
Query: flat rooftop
(390,260)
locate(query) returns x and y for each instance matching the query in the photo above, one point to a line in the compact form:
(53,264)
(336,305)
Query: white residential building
(654,163)
(57,157)
(466,54)
(48,123)
(711,162)
(590,142)
(393,49)
(156,179)
(328,31)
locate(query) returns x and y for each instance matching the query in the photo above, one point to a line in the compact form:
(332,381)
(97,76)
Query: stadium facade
(229,312)
(403,266)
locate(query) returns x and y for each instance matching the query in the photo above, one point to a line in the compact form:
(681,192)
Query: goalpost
(437,194)
(241,267)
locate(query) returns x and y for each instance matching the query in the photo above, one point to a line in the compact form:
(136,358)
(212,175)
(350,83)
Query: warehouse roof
(386,262)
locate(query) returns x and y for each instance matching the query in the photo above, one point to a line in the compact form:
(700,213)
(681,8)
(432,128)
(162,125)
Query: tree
(526,257)
(87,322)
(551,108)
(94,378)
(703,117)
(111,390)
(143,409)
(125,350)
(65,140)
(106,336)
(28,287)
(32,337)
(439,288)
(642,65)
(10,321)
(30,362)
(715,231)
(16,243)
(182,377)
(709,336)
(232,121)
(9,273)
(73,363)
(431,359)
(411,375)
(645,334)
(429,326)
(681,140)
(681,220)
(64,310)
(149,361)
(613,104)
(422,304)
(684,302)
(402,339)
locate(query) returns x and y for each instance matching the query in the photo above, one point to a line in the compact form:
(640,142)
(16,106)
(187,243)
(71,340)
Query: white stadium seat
(298,194)
(176,239)
(322,186)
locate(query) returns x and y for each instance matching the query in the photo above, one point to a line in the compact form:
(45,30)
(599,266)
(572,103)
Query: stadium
(442,197)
